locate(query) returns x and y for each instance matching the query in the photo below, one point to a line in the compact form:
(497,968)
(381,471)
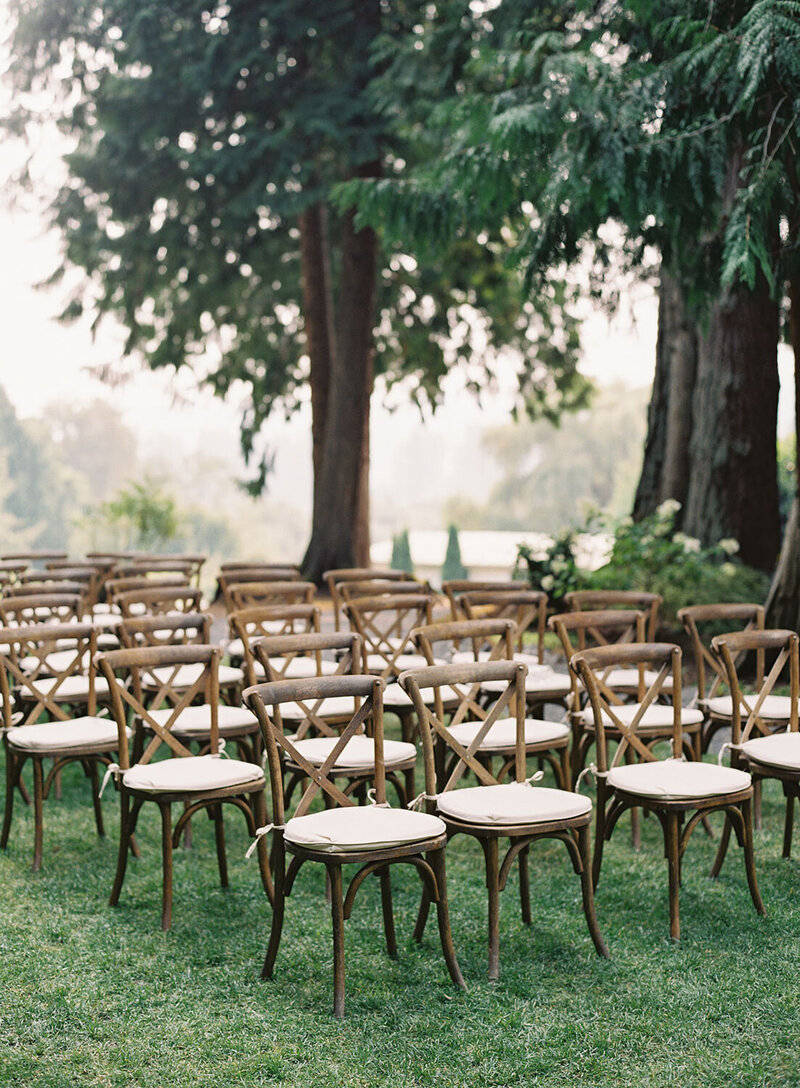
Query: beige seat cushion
(196,720)
(511,803)
(186,675)
(676,780)
(358,753)
(541,680)
(76,733)
(774,708)
(628,679)
(464,657)
(395,696)
(658,716)
(335,706)
(377,662)
(362,827)
(777,750)
(191,774)
(72,687)
(299,668)
(503,733)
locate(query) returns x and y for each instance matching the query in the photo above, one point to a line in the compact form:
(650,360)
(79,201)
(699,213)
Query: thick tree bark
(665,469)
(783,603)
(339,533)
(733,487)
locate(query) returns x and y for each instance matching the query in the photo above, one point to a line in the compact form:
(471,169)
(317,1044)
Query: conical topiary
(401,553)
(452,566)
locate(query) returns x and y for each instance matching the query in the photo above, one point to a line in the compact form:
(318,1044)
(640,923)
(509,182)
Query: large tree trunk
(665,469)
(733,488)
(339,532)
(783,603)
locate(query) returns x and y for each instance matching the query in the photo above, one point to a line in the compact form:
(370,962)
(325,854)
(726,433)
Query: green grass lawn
(98,996)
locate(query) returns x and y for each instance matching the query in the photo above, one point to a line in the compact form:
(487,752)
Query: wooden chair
(158,601)
(40,608)
(197,783)
(526,607)
(227,579)
(491,640)
(42,684)
(455,588)
(172,629)
(317,723)
(49,589)
(376,587)
(374,837)
(191,563)
(333,578)
(756,708)
(262,594)
(493,810)
(679,793)
(115,587)
(263,621)
(588,600)
(701,622)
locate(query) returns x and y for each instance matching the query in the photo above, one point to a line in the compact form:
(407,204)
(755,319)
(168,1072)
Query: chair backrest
(333,578)
(159,600)
(526,607)
(139,568)
(732,649)
(276,655)
(265,621)
(377,587)
(256,564)
(586,600)
(265,702)
(457,684)
(149,678)
(455,588)
(36,663)
(115,586)
(40,556)
(663,657)
(385,624)
(174,629)
(702,622)
(578,631)
(40,608)
(192,564)
(253,594)
(47,587)
(228,579)
(461,641)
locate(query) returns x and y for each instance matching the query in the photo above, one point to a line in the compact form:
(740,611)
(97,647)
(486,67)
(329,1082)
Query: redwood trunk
(665,470)
(733,489)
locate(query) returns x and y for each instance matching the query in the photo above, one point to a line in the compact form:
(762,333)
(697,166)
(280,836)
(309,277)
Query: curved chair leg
(672,850)
(388,914)
(490,850)
(262,850)
(584,848)
(337,916)
(437,863)
(722,849)
(788,825)
(124,845)
(12,774)
(278,905)
(600,832)
(38,812)
(749,857)
(166,857)
(219,835)
(524,887)
(422,915)
(91,774)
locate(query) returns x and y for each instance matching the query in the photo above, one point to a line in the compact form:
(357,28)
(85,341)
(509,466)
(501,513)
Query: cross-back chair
(374,836)
(228,579)
(755,746)
(526,607)
(260,594)
(455,588)
(490,640)
(114,587)
(495,810)
(639,600)
(158,600)
(679,793)
(263,621)
(176,628)
(701,623)
(333,578)
(42,669)
(143,687)
(40,608)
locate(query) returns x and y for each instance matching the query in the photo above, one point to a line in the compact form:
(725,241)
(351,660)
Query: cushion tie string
(591,769)
(728,746)
(537,777)
(371,797)
(112,769)
(260,833)
(220,753)
(417,802)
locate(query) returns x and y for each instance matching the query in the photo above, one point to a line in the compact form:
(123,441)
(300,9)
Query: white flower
(729,545)
(688,543)
(729,569)
(547,582)
(668,507)
(558,565)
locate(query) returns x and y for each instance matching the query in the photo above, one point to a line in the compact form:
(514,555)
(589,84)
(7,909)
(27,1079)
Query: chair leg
(13,768)
(757,804)
(91,773)
(788,825)
(166,857)
(722,849)
(278,904)
(600,832)
(38,813)
(219,836)
(749,857)
(124,845)
(584,847)
(388,913)
(337,915)
(422,915)
(524,887)
(672,850)
(262,850)
(490,850)
(437,863)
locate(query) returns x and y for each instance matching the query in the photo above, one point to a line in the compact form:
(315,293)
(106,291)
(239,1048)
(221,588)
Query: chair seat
(77,733)
(362,827)
(335,706)
(777,750)
(657,717)
(71,688)
(186,675)
(196,720)
(54,662)
(676,780)
(628,679)
(191,774)
(503,734)
(773,708)
(299,668)
(395,696)
(541,680)
(464,657)
(512,803)
(358,753)
(377,662)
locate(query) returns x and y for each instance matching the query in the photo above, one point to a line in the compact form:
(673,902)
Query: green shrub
(555,569)
(401,553)
(452,566)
